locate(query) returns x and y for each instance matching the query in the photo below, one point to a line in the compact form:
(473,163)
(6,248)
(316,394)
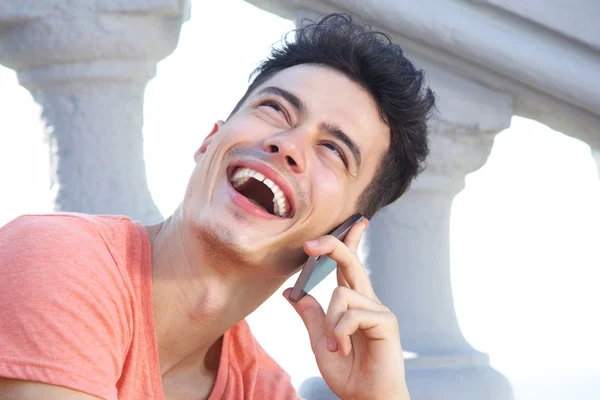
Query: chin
(221,244)
(241,248)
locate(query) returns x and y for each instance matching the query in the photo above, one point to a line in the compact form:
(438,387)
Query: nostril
(274,149)
(290,161)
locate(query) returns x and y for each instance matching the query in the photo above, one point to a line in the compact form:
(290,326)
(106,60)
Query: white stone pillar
(409,247)
(596,157)
(87,64)
(409,257)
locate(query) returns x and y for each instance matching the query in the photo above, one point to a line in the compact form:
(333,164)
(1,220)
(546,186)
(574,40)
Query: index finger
(348,263)
(355,234)
(352,241)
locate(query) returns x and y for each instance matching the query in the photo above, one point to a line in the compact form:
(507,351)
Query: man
(333,124)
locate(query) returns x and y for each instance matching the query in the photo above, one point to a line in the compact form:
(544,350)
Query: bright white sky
(525,231)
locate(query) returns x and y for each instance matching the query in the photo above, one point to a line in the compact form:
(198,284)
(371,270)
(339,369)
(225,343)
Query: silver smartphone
(317,268)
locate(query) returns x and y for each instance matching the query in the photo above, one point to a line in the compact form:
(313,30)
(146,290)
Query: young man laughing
(333,124)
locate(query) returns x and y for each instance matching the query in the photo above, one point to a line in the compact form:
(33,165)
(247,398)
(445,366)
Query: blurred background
(522,269)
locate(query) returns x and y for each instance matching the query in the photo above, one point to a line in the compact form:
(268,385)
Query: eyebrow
(328,127)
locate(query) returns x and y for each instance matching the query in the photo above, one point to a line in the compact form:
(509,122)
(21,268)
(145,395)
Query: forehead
(331,97)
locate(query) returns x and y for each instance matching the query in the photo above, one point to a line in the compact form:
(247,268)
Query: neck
(197,296)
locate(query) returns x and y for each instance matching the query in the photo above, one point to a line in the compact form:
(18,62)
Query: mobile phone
(317,268)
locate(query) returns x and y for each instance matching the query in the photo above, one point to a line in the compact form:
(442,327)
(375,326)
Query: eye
(336,150)
(275,106)
(269,103)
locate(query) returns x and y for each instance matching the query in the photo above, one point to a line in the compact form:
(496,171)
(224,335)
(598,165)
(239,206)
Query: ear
(208,139)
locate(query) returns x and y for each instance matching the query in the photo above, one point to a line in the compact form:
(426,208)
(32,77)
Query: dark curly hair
(370,59)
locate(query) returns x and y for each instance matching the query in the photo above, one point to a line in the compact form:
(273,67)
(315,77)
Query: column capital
(463,128)
(88,40)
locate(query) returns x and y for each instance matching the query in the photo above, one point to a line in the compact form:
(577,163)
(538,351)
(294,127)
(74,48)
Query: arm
(15,389)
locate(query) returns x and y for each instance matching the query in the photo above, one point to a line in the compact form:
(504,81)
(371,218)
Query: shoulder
(44,228)
(61,257)
(62,238)
(35,226)
(60,262)
(66,302)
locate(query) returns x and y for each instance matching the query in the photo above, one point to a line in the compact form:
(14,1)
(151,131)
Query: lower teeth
(277,209)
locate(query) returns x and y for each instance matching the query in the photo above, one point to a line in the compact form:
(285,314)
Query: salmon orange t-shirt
(76,311)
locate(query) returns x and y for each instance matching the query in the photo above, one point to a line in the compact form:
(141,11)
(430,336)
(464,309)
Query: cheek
(245,127)
(329,188)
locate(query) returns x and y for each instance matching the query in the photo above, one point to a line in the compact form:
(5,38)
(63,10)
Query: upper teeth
(281,204)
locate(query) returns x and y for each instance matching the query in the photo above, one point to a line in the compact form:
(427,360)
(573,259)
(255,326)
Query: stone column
(596,157)
(409,248)
(409,257)
(87,64)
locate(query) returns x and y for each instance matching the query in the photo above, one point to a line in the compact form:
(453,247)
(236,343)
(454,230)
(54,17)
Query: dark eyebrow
(339,134)
(289,96)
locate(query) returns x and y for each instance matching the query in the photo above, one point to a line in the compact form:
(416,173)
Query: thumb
(312,314)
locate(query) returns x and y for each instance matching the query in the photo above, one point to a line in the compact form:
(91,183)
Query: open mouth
(261,191)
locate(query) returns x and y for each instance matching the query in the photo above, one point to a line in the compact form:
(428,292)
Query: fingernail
(312,243)
(331,345)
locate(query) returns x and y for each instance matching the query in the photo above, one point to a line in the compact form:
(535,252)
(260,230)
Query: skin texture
(214,262)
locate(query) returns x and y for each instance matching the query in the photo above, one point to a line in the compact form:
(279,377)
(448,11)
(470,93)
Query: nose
(289,148)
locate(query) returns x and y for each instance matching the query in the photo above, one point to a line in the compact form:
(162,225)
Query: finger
(348,262)
(376,325)
(340,278)
(313,316)
(352,241)
(355,235)
(344,299)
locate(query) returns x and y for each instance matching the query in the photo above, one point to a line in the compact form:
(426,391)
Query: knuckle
(352,314)
(391,318)
(338,332)
(339,293)
(329,240)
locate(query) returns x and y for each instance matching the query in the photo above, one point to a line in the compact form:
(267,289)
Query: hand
(357,343)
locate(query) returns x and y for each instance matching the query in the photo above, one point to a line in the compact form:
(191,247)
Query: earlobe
(206,142)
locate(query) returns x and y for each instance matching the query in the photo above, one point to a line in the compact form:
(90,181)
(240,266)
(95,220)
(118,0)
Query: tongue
(259,194)
(256,203)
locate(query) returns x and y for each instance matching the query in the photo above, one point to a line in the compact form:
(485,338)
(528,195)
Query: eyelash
(271,103)
(339,151)
(279,108)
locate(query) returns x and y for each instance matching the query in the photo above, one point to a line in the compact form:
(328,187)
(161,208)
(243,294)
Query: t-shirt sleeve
(65,313)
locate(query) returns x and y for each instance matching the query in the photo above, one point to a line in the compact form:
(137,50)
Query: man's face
(315,139)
